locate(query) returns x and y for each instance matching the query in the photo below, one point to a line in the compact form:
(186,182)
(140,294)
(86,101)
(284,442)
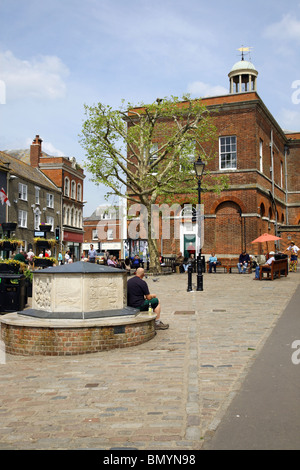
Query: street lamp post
(199,169)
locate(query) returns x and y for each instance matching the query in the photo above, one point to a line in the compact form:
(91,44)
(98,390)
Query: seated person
(265,267)
(212,262)
(188,262)
(138,296)
(244,262)
(179,262)
(136,262)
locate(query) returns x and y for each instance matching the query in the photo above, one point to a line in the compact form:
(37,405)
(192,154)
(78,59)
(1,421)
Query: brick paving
(166,394)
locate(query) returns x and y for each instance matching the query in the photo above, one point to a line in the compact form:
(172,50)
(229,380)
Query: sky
(57,56)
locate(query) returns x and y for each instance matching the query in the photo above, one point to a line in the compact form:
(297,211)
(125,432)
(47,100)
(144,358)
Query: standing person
(244,262)
(92,254)
(30,256)
(67,257)
(266,266)
(212,262)
(294,256)
(138,296)
(60,258)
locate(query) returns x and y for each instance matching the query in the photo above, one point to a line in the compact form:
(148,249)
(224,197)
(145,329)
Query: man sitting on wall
(138,296)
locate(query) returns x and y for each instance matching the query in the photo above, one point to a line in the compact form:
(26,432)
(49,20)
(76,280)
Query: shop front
(72,242)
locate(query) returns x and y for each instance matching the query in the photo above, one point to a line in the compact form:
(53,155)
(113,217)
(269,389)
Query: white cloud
(289,119)
(41,77)
(204,89)
(286,29)
(48,148)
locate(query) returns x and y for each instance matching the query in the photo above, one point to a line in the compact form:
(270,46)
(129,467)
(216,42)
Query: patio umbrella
(266,237)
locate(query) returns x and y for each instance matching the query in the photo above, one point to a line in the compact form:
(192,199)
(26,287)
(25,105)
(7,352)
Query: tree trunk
(154,265)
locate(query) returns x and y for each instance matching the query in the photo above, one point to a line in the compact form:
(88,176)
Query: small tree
(146,153)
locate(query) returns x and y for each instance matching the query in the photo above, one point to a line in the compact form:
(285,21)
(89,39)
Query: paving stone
(164,394)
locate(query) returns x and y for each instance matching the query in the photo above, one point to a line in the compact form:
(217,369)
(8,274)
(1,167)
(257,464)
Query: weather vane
(243,50)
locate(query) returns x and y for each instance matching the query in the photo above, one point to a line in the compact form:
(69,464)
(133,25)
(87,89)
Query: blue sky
(55,56)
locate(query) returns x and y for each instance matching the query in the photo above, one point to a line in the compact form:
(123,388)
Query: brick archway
(229,229)
(234,199)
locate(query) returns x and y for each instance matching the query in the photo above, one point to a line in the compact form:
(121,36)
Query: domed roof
(243,65)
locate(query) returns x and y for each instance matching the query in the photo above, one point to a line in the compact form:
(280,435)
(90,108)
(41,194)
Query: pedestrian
(92,254)
(138,296)
(30,256)
(60,258)
(294,256)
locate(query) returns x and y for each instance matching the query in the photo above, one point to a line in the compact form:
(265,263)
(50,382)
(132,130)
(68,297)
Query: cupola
(243,75)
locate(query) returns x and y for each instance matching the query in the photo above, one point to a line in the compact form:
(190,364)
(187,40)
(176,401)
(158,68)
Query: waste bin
(12,292)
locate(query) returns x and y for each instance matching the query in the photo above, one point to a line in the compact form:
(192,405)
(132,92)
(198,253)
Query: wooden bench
(278,267)
(228,264)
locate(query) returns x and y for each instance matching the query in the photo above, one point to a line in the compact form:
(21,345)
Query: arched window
(78,192)
(67,187)
(73,189)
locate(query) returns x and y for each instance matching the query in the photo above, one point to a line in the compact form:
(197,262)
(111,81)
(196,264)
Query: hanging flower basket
(42,242)
(43,262)
(9,226)
(45,228)
(9,244)
(10,266)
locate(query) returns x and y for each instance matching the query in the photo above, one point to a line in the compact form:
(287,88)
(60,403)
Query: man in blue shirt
(92,254)
(212,262)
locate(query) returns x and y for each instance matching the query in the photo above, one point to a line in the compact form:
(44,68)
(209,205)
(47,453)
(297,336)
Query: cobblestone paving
(165,394)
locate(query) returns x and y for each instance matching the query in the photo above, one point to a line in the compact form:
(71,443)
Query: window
(260,155)
(281,174)
(73,190)
(110,234)
(37,219)
(37,195)
(79,192)
(190,158)
(23,191)
(50,221)
(227,149)
(95,235)
(67,187)
(22,219)
(153,153)
(50,200)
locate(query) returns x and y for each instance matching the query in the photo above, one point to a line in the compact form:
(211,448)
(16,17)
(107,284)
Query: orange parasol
(266,237)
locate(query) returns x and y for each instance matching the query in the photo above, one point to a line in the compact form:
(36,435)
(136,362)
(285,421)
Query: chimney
(35,151)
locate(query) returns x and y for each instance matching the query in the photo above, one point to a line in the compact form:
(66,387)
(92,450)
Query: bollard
(190,271)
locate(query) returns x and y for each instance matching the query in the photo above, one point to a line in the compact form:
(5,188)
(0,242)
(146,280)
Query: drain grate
(184,312)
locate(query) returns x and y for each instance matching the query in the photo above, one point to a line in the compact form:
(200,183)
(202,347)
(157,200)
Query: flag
(3,197)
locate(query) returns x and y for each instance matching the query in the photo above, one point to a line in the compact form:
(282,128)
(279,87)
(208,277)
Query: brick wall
(32,341)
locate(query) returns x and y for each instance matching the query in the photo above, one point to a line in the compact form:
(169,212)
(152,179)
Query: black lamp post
(199,169)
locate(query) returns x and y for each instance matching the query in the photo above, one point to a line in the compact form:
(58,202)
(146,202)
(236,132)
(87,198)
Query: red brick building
(262,163)
(68,176)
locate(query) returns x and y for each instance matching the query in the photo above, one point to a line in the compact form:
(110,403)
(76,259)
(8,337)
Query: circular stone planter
(28,336)
(77,308)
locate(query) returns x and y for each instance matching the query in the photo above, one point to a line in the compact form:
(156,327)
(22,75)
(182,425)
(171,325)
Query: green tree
(146,153)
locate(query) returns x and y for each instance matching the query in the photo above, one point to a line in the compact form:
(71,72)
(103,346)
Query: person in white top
(265,266)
